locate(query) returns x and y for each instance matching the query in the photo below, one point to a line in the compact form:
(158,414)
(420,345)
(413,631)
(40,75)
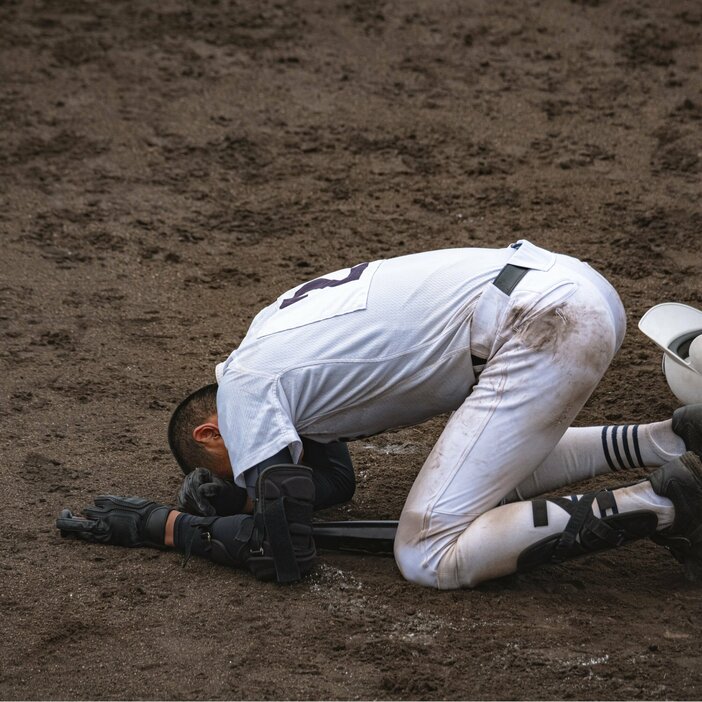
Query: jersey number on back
(321,283)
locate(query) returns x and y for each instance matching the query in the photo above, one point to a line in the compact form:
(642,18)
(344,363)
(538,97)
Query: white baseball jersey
(369,348)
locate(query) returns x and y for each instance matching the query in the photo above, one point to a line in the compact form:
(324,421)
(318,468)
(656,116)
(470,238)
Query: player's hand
(207,495)
(122,521)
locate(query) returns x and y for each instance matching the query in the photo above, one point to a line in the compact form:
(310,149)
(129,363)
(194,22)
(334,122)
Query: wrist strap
(155,527)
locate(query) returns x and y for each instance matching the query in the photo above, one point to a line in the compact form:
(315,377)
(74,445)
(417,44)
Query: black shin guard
(585,533)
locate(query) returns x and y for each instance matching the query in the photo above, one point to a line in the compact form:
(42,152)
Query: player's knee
(438,558)
(409,552)
(409,562)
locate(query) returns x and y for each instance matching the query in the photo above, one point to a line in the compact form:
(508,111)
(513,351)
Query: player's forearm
(224,540)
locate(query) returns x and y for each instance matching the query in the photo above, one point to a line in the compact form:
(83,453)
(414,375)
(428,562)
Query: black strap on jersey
(506,281)
(508,278)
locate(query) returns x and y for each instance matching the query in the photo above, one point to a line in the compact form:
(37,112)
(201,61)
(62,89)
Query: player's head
(193,434)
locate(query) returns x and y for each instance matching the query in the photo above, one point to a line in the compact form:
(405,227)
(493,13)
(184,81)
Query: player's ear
(206,433)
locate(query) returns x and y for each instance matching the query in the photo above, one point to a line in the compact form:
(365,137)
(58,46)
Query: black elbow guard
(282,546)
(275,543)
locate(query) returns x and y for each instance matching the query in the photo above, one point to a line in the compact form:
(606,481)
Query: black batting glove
(207,495)
(121,521)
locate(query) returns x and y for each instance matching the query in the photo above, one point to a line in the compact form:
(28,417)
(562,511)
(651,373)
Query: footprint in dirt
(48,475)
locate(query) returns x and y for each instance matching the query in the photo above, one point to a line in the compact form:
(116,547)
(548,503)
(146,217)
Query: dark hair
(190,413)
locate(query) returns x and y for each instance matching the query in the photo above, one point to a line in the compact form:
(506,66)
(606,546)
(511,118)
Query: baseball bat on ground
(360,535)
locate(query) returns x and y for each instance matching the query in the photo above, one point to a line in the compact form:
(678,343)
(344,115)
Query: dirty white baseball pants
(547,344)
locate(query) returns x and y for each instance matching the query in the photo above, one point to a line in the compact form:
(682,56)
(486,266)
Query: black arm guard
(276,543)
(332,471)
(282,545)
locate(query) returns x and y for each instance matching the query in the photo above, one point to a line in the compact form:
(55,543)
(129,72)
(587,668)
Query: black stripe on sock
(605,448)
(617,452)
(635,436)
(627,451)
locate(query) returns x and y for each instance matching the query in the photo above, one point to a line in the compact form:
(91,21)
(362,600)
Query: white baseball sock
(584,452)
(661,441)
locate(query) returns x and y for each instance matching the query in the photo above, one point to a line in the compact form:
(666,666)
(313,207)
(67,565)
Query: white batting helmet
(674,327)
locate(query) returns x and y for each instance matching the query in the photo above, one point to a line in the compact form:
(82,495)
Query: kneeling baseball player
(513,341)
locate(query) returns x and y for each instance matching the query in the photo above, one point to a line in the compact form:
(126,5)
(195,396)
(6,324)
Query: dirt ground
(167,168)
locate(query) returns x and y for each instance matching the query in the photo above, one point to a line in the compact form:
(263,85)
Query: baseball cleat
(687,424)
(681,482)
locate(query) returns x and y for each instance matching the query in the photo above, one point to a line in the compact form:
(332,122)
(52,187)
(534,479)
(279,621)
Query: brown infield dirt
(168,168)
